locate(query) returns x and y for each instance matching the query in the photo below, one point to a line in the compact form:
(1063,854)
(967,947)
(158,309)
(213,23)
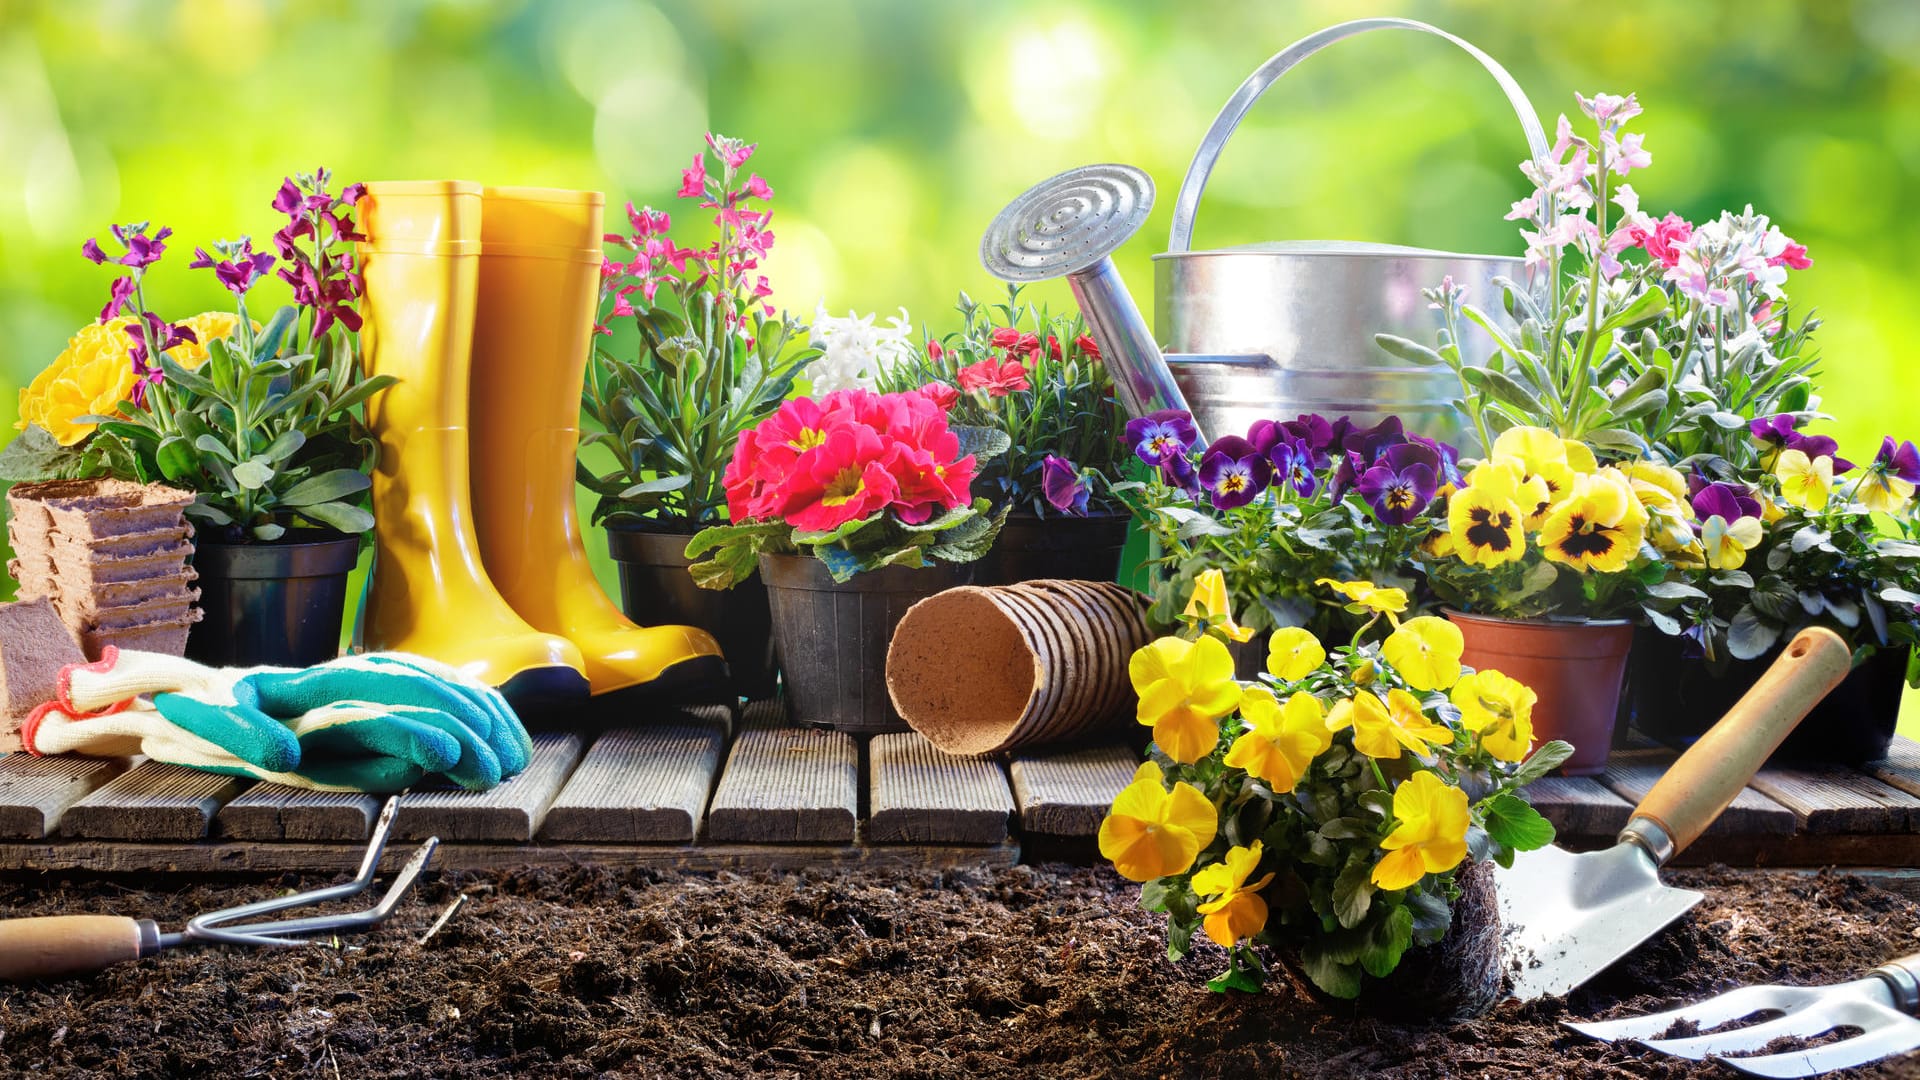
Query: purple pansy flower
(1401,484)
(1726,501)
(241,268)
(1369,443)
(1448,469)
(1316,431)
(1773,431)
(1897,460)
(1265,434)
(1346,474)
(1063,486)
(1178,472)
(1158,435)
(1233,472)
(1819,446)
(1296,465)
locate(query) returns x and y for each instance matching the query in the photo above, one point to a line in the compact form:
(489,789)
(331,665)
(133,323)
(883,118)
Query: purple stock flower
(1900,460)
(242,267)
(121,295)
(1065,489)
(142,250)
(1401,483)
(1233,472)
(91,251)
(150,327)
(1158,435)
(1296,465)
(1726,501)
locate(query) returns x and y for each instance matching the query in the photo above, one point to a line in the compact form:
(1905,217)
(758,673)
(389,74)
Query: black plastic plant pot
(1031,548)
(280,603)
(655,589)
(833,637)
(1675,698)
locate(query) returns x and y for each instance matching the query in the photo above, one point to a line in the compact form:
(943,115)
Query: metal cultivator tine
(1710,1013)
(1839,1006)
(1892,1033)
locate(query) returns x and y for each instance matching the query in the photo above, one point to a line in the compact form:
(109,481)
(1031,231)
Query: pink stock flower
(757,188)
(1625,155)
(693,180)
(648,221)
(1609,107)
(1526,209)
(732,151)
(1793,257)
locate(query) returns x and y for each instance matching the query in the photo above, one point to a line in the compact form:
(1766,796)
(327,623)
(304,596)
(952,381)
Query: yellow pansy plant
(1426,652)
(1280,740)
(1293,653)
(1153,831)
(1499,710)
(1210,608)
(1429,835)
(1368,597)
(1235,911)
(1804,482)
(1598,527)
(1382,729)
(1184,687)
(1725,545)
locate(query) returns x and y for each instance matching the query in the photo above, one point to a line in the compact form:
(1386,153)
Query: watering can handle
(1269,73)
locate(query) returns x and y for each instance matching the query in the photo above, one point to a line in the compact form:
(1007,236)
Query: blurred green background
(892,130)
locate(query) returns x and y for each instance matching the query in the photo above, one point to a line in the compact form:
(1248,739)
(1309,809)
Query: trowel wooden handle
(1712,771)
(52,946)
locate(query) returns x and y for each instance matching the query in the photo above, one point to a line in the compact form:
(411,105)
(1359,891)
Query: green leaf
(1411,351)
(338,515)
(1749,636)
(176,459)
(1247,977)
(1504,389)
(253,473)
(1544,760)
(1674,590)
(1353,891)
(942,522)
(1338,978)
(1432,918)
(656,486)
(835,535)
(267,341)
(207,444)
(984,443)
(1512,822)
(269,531)
(327,487)
(1387,942)
(1647,306)
(284,446)
(35,455)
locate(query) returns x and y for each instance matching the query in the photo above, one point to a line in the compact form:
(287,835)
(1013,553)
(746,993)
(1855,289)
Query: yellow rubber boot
(540,259)
(429,594)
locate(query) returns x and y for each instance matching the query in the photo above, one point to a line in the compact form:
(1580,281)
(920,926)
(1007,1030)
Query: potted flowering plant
(852,507)
(707,361)
(1342,810)
(1037,377)
(262,423)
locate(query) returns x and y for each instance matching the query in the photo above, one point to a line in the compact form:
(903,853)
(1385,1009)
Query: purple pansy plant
(1296,465)
(1899,460)
(1725,501)
(1400,483)
(1781,432)
(1234,472)
(1160,435)
(1065,489)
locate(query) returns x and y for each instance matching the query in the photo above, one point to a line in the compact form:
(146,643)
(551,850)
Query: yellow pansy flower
(1541,456)
(1280,741)
(1185,687)
(1664,497)
(1883,493)
(1210,599)
(1151,832)
(1532,448)
(1381,601)
(1381,729)
(1653,474)
(1599,528)
(1293,653)
(1804,482)
(1426,652)
(1726,545)
(90,377)
(1499,709)
(1579,455)
(1440,545)
(1236,912)
(1430,836)
(1485,524)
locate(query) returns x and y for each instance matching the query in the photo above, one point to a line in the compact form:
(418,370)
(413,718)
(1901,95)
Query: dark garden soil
(1050,972)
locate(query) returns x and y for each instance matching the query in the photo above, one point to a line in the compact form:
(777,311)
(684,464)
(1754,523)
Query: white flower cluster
(855,352)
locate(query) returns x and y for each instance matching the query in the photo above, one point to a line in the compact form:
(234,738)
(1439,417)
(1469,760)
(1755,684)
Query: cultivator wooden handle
(1712,771)
(51,946)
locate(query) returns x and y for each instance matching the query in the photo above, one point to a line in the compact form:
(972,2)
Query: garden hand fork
(1883,1005)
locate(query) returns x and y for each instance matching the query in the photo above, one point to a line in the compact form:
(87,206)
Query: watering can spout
(1068,226)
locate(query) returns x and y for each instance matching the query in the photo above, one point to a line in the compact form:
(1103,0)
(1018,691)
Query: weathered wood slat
(919,795)
(510,813)
(1900,768)
(641,785)
(787,785)
(278,812)
(1579,806)
(36,791)
(1067,794)
(1750,813)
(1834,799)
(152,801)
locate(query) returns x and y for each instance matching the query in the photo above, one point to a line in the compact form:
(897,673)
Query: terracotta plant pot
(279,603)
(833,636)
(1675,698)
(1575,667)
(656,589)
(1058,547)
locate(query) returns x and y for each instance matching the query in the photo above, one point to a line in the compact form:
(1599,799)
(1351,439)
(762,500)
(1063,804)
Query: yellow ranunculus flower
(1381,601)
(1236,912)
(1293,653)
(1151,832)
(205,326)
(1726,545)
(1426,652)
(1382,728)
(1486,526)
(1431,834)
(1598,528)
(1805,482)
(90,377)
(1210,598)
(1185,687)
(1499,709)
(1280,741)
(1883,493)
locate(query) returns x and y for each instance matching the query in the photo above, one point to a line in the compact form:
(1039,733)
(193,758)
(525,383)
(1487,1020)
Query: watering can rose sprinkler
(1259,331)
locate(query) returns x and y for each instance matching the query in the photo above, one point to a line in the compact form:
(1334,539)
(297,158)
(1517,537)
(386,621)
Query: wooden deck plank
(641,785)
(510,813)
(36,791)
(918,795)
(152,801)
(1833,799)
(274,812)
(1579,806)
(786,785)
(1751,812)
(1067,794)
(1900,768)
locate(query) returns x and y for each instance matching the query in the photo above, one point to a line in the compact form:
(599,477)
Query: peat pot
(655,589)
(833,636)
(1576,668)
(1676,698)
(280,603)
(1031,548)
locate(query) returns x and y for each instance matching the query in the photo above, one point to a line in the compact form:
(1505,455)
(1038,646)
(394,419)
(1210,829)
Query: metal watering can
(1259,331)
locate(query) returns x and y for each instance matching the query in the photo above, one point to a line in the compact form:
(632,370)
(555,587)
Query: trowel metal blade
(1567,916)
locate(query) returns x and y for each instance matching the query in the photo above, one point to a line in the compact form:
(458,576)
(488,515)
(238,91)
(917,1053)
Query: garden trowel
(1568,916)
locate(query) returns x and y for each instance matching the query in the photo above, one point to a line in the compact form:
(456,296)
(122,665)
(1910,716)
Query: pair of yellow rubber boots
(481,301)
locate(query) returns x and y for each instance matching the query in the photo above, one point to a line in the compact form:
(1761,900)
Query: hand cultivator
(1883,1005)
(58,945)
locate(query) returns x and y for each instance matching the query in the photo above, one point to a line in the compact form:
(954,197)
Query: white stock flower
(854,352)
